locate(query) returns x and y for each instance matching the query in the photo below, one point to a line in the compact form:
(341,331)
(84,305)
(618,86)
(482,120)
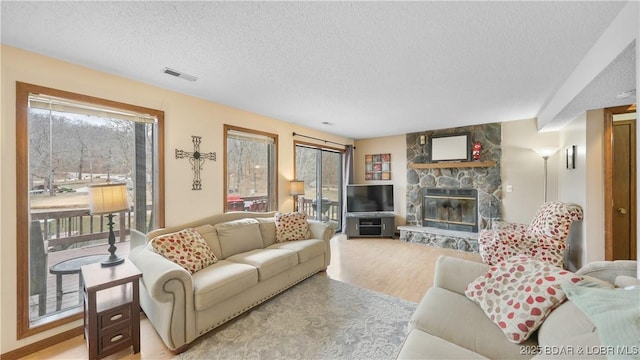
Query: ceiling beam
(615,39)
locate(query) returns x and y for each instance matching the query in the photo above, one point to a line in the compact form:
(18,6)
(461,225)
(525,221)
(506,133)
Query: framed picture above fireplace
(450,147)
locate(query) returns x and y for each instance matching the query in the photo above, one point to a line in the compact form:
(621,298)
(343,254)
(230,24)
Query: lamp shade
(546,151)
(108,198)
(296,187)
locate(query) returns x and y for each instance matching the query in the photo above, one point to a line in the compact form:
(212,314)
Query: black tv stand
(375,224)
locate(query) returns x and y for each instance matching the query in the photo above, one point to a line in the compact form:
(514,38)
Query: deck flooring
(71,297)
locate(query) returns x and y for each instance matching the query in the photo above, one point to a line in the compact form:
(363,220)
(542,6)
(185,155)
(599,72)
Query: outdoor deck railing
(62,228)
(68,227)
(69,233)
(330,210)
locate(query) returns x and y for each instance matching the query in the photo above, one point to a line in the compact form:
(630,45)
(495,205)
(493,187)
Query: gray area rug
(319,318)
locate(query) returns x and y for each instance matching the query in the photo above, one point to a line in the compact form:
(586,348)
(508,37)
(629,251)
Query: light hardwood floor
(388,266)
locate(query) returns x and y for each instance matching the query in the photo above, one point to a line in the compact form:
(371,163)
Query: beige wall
(397,147)
(184,116)
(594,192)
(572,187)
(523,169)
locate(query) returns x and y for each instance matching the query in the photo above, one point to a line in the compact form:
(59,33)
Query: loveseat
(251,267)
(449,325)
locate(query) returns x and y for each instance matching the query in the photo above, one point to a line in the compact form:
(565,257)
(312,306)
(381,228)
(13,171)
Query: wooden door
(620,183)
(623,204)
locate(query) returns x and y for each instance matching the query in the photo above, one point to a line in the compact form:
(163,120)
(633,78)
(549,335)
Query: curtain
(348,179)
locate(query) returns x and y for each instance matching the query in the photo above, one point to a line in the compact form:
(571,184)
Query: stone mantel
(453,164)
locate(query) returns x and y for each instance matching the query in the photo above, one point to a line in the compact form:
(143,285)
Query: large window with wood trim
(251,170)
(66,143)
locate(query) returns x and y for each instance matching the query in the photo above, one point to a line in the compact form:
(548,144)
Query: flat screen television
(370,198)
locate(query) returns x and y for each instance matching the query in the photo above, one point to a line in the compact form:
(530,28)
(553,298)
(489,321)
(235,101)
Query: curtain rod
(315,138)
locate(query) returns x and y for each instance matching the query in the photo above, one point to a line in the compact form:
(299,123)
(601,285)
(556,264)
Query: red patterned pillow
(186,248)
(291,226)
(518,294)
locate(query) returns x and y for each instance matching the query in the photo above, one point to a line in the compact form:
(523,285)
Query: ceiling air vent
(626,94)
(179,74)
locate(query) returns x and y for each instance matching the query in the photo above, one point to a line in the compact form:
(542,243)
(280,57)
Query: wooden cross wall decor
(196,158)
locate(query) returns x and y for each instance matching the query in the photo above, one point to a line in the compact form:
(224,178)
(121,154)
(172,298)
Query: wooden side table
(111,308)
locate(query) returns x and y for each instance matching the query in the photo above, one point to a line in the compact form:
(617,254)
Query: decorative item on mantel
(196,158)
(453,150)
(477,147)
(450,147)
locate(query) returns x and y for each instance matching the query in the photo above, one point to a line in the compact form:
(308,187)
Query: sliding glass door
(321,170)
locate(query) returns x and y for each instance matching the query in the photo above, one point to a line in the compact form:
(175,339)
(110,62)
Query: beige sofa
(447,325)
(252,268)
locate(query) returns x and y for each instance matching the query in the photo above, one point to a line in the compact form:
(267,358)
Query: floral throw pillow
(553,221)
(291,226)
(186,248)
(518,294)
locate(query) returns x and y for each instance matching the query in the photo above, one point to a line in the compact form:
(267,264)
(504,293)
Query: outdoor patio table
(72,266)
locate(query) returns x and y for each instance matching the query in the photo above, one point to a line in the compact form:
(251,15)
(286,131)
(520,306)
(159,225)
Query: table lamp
(107,199)
(296,187)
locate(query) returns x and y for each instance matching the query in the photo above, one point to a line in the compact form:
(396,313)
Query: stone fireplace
(482,182)
(452,209)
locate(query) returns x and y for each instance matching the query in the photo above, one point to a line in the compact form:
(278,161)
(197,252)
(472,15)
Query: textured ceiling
(368,68)
(602,92)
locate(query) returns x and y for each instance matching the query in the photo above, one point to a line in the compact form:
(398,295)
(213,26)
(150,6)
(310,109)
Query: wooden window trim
(225,189)
(22,187)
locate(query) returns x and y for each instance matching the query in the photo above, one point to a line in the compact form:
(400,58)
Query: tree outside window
(251,170)
(67,142)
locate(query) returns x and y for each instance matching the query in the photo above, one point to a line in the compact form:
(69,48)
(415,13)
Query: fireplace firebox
(452,209)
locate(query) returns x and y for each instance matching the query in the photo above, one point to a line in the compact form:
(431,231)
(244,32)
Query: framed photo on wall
(450,147)
(377,167)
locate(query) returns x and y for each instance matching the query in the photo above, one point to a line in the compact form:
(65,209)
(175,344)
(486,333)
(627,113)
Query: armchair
(544,238)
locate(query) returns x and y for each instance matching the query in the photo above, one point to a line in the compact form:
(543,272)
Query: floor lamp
(107,199)
(545,153)
(296,187)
